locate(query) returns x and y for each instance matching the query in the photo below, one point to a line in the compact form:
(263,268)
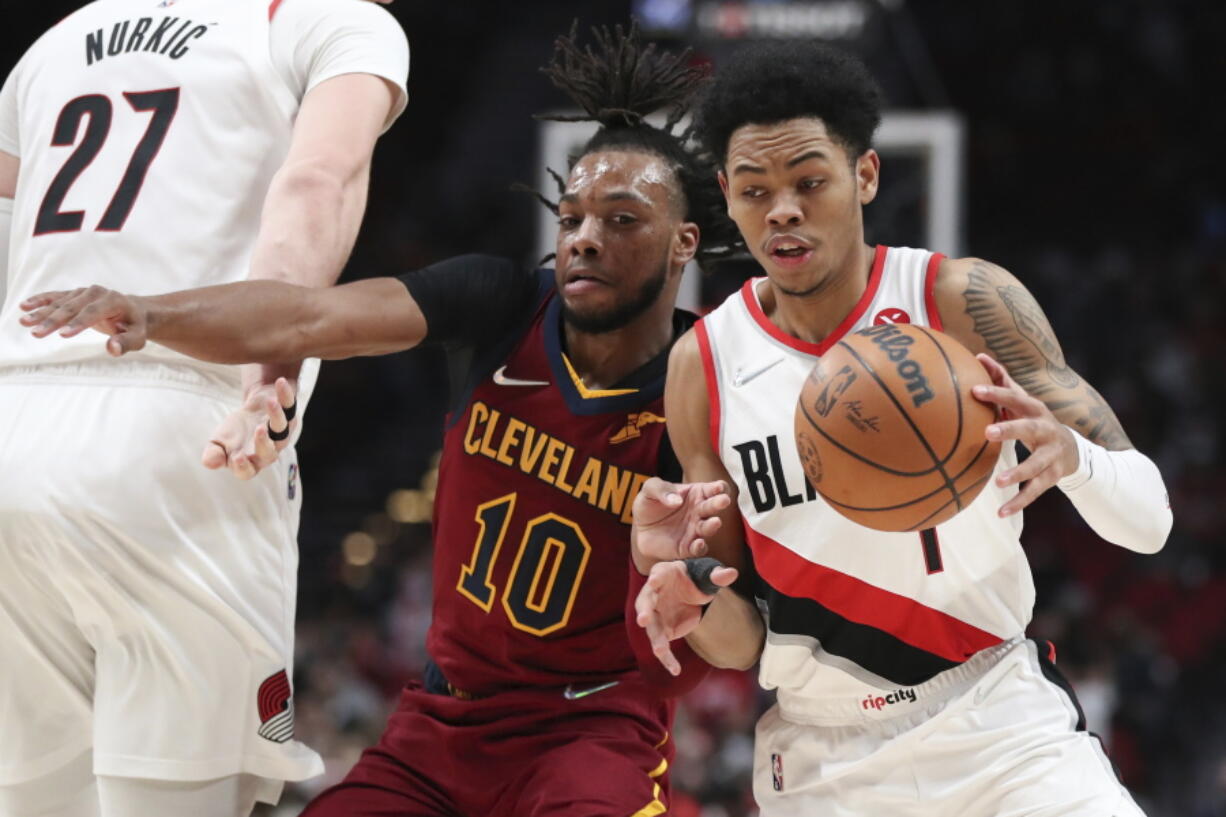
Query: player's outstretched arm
(246,322)
(1074,438)
(699,516)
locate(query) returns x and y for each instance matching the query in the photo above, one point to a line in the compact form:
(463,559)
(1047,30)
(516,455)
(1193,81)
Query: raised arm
(730,632)
(1074,438)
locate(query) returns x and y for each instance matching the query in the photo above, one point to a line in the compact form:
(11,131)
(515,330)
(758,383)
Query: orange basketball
(888,431)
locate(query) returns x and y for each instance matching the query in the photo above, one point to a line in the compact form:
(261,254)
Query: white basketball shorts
(146,603)
(1005,745)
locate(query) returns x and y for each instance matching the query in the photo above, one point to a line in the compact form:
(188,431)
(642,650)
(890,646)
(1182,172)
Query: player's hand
(1053,451)
(670,606)
(241,442)
(673,520)
(124,317)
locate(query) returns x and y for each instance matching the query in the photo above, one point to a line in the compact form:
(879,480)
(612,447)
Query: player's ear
(868,173)
(685,243)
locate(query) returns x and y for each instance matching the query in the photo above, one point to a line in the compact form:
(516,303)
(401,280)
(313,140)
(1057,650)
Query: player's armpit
(988,310)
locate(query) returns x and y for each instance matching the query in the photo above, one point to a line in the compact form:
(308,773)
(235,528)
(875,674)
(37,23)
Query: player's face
(796,197)
(620,238)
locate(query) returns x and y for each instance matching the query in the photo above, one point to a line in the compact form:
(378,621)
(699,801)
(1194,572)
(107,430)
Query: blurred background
(1092,167)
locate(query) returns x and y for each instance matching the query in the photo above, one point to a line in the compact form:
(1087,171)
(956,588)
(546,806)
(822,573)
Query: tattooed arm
(1117,490)
(988,310)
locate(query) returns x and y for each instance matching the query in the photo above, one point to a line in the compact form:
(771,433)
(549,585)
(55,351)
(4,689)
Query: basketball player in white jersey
(904,683)
(147,607)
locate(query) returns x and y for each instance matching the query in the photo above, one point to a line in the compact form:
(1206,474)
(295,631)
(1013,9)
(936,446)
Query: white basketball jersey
(852,612)
(149,132)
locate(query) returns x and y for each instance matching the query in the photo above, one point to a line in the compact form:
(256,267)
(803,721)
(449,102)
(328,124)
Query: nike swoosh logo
(502,380)
(572,694)
(742,377)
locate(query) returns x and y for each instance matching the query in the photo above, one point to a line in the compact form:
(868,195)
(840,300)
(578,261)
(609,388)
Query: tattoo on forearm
(1011,342)
(1097,421)
(1013,338)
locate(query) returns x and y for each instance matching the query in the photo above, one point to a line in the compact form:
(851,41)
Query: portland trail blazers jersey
(852,612)
(148,133)
(532,518)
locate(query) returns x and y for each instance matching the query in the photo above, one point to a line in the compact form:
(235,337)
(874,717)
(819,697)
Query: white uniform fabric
(1004,743)
(235,90)
(864,628)
(148,604)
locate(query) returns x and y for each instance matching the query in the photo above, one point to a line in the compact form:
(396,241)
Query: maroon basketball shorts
(525,753)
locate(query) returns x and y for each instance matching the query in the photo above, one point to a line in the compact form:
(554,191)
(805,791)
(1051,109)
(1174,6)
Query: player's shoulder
(957,275)
(336,13)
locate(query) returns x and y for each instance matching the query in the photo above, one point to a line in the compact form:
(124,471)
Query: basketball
(888,431)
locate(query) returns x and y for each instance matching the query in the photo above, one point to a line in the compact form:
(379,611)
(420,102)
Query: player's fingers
(1025,429)
(662,491)
(724,576)
(708,527)
(263,451)
(285,392)
(240,466)
(41,299)
(698,547)
(121,343)
(1029,493)
(661,648)
(277,421)
(214,455)
(994,369)
(1039,461)
(714,505)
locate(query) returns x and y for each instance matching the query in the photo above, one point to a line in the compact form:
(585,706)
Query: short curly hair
(773,82)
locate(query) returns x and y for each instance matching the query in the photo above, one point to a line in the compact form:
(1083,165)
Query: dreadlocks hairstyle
(618,83)
(774,82)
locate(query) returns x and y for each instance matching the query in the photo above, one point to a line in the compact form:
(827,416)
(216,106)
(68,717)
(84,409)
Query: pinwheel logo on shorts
(276,707)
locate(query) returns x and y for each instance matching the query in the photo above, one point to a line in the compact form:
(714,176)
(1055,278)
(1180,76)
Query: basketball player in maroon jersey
(534,704)
(905,684)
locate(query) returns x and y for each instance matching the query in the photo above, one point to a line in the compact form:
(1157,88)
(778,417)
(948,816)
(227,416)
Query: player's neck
(812,317)
(603,360)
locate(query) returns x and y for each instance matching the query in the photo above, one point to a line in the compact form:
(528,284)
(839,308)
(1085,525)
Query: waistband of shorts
(219,381)
(877,705)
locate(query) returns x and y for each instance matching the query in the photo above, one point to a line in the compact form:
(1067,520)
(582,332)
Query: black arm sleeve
(471,300)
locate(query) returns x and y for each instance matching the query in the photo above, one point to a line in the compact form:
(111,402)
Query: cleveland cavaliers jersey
(532,517)
(854,615)
(148,133)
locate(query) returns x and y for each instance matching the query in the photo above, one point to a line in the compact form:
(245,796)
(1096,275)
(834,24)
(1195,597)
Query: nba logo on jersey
(291,487)
(167,4)
(777,771)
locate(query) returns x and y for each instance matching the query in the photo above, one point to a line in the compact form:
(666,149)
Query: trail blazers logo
(634,426)
(276,706)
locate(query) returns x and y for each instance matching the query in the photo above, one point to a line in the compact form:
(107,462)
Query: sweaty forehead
(608,173)
(779,142)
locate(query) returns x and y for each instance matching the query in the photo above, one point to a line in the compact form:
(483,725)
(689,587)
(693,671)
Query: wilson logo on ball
(895,345)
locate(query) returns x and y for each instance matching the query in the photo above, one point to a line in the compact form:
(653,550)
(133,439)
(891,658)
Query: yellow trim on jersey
(659,771)
(663,740)
(587,393)
(654,808)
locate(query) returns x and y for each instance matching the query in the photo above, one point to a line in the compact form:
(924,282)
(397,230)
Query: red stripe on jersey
(272,7)
(855,600)
(930,300)
(708,370)
(818,349)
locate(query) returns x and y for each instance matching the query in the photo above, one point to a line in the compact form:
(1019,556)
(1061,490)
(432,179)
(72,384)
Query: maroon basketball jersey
(532,518)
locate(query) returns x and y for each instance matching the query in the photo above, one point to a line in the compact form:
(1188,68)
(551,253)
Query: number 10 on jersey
(545,578)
